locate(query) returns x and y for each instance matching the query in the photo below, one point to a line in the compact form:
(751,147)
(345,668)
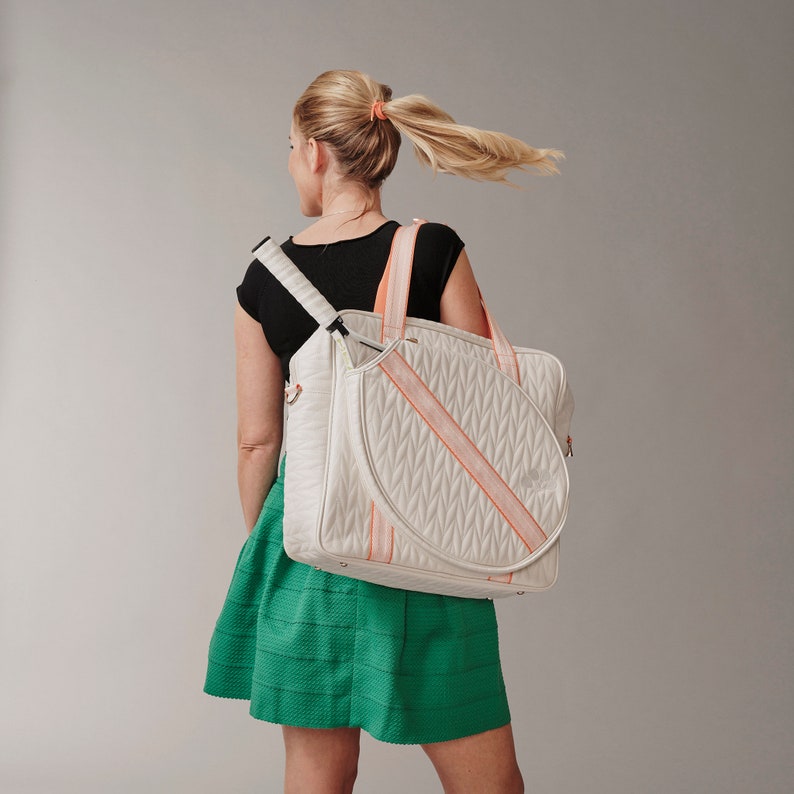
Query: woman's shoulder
(438,247)
(249,291)
(439,236)
(439,228)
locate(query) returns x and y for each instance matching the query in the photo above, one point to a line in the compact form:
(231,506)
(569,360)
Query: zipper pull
(569,453)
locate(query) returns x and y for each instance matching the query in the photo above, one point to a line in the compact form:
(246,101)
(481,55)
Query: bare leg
(320,761)
(481,764)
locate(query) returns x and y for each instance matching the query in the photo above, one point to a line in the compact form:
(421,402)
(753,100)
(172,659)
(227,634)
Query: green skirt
(318,650)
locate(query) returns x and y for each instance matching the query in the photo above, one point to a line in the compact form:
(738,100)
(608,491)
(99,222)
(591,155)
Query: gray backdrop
(144,149)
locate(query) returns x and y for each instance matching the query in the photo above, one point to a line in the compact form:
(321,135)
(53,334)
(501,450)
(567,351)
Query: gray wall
(143,153)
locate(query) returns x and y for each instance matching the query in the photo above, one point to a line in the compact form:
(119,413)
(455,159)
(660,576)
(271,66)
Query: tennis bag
(421,456)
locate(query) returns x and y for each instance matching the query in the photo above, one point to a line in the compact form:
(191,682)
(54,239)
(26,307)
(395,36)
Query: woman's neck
(346,214)
(349,201)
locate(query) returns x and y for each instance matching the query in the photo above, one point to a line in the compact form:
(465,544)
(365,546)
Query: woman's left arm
(260,414)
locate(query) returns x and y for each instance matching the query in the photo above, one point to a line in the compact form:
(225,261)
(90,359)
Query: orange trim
(380,298)
(381,537)
(463,449)
(390,537)
(371,531)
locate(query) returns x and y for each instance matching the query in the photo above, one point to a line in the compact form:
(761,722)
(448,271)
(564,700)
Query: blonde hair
(337,109)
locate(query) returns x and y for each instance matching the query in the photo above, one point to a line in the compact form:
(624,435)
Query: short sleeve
(437,250)
(250,291)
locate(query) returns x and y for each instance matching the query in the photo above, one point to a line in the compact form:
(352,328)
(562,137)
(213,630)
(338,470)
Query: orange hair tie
(377,110)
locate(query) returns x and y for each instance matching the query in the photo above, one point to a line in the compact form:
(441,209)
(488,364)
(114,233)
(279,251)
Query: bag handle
(392,300)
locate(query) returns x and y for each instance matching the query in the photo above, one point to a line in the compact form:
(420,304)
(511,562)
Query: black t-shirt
(347,273)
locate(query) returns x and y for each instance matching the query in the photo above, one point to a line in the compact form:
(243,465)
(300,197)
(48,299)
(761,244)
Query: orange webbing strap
(380,298)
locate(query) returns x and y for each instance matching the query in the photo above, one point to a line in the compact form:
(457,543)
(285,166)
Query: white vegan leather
(374,492)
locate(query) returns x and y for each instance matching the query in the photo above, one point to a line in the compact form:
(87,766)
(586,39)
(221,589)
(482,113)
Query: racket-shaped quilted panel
(420,474)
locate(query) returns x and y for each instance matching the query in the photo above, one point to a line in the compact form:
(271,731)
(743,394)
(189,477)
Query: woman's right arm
(460,300)
(260,418)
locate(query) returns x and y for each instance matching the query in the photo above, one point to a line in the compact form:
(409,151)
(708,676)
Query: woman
(325,655)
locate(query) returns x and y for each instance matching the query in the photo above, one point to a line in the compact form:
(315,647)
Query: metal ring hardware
(292,394)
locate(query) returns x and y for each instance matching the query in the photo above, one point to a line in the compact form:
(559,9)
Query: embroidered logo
(539,480)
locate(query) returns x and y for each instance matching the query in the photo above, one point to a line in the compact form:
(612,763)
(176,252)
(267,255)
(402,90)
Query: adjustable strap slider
(337,325)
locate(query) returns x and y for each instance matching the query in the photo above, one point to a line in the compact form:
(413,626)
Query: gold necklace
(342,212)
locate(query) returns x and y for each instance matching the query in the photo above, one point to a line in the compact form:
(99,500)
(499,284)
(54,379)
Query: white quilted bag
(421,456)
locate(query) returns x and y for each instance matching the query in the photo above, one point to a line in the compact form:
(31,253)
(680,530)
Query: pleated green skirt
(318,650)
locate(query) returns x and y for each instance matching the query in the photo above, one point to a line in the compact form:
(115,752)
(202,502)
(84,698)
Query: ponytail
(452,148)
